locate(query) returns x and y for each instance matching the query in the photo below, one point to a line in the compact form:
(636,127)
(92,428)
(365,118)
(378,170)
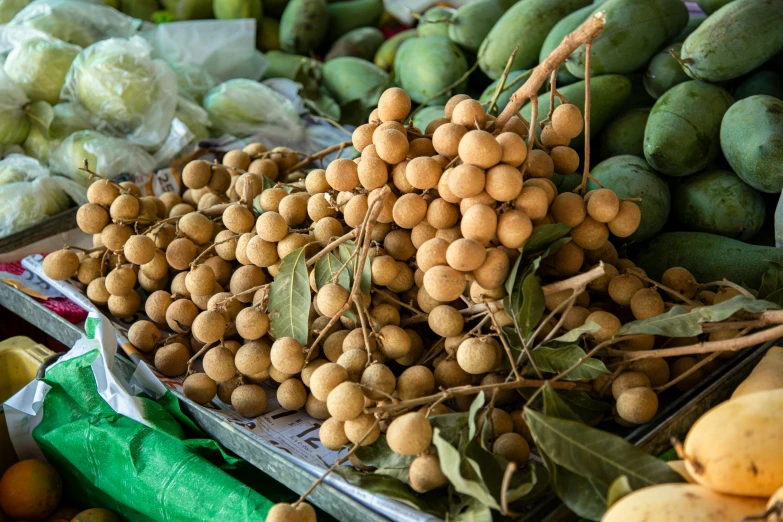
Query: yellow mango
(775,502)
(767,375)
(737,447)
(681,503)
(679,467)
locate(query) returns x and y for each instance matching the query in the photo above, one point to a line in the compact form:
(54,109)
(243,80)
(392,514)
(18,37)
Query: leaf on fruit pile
(583,496)
(344,252)
(393,488)
(289,298)
(325,270)
(573,335)
(682,322)
(771,288)
(545,237)
(451,464)
(475,406)
(380,455)
(557,360)
(469,509)
(532,306)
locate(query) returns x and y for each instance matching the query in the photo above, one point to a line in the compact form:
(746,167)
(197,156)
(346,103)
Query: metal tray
(62,222)
(674,419)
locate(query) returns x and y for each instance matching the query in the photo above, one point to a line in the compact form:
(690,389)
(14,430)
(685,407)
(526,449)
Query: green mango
(683,131)
(141,9)
(751,138)
(471,23)
(384,56)
(565,26)
(664,72)
(760,82)
(631,177)
(435,21)
(346,16)
(509,88)
(189,9)
(607,94)
(708,257)
(694,21)
(717,201)
(303,26)
(634,32)
(233,9)
(639,97)
(425,67)
(734,40)
(355,81)
(527,25)
(361,43)
(423,118)
(268,37)
(291,66)
(624,134)
(710,6)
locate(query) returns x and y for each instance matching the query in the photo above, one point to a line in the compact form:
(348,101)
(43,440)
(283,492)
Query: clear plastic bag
(245,107)
(13,122)
(29,193)
(49,126)
(9,8)
(193,81)
(68,20)
(105,155)
(126,92)
(39,66)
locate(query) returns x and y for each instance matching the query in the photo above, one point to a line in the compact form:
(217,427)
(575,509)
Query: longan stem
(588,97)
(511,467)
(531,139)
(405,305)
(576,282)
(666,289)
(318,155)
(552,91)
(331,246)
(338,462)
(201,352)
(506,347)
(729,284)
(210,248)
(362,313)
(502,81)
(587,32)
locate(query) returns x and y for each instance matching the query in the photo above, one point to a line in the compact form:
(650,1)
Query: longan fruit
(181,209)
(514,228)
(373,173)
(469,113)
(355,339)
(121,281)
(180,315)
(465,255)
(245,278)
(252,323)
(655,368)
(362,136)
(434,124)
(646,303)
(102,192)
(623,287)
(325,378)
(513,447)
(354,362)
(415,382)
(627,220)
(479,294)
(476,356)
(210,200)
(391,146)
(565,160)
(318,207)
(398,245)
(237,159)
(533,201)
(448,110)
(609,324)
(449,234)
(331,298)
(493,271)
(539,164)
(248,186)
(316,409)
(398,178)
(637,405)
(156,306)
(327,228)
(569,209)
(479,148)
(425,301)
(394,125)
(503,182)
(253,357)
(551,139)
(163,236)
(576,317)
(363,430)
(409,210)
(139,249)
(629,380)
(567,120)
(169,199)
(342,174)
(425,473)
(500,421)
(196,174)
(607,254)
(61,264)
(200,280)
(422,233)
(409,434)
(422,147)
(590,234)
(172,359)
(568,259)
(386,215)
(602,283)
(395,342)
(114,236)
(447,138)
(92,218)
(444,283)
(261,253)
(209,327)
(445,321)
(197,227)
(294,208)
(254,150)
(514,148)
(249,400)
(384,270)
(287,355)
(423,173)
(441,214)
(378,381)
(131,188)
(394,105)
(316,183)
(144,335)
(642,342)
(124,207)
(220,180)
(479,222)
(345,401)
(449,374)
(724,294)
(682,365)
(199,388)
(89,270)
(219,362)
(465,181)
(291,394)
(238,219)
(180,253)
(680,280)
(603,205)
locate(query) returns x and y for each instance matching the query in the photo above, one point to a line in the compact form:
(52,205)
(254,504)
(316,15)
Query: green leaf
(511,279)
(596,454)
(289,298)
(583,496)
(491,471)
(681,322)
(451,464)
(554,406)
(401,474)
(344,252)
(379,455)
(469,510)
(558,360)
(451,425)
(533,305)
(527,483)
(772,280)
(573,335)
(475,406)
(581,403)
(545,236)
(393,488)
(618,489)
(325,270)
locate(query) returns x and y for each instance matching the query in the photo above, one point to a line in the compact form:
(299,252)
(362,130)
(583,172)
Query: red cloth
(63,307)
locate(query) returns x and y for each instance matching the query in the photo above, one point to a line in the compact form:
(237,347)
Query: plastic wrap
(9,8)
(245,107)
(68,20)
(13,122)
(49,126)
(39,66)
(193,80)
(107,156)
(126,91)
(29,193)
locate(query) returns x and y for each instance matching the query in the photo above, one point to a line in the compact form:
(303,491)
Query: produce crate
(62,222)
(20,359)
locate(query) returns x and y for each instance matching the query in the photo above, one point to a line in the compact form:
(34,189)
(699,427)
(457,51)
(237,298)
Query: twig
(729,284)
(531,139)
(666,289)
(201,352)
(511,467)
(244,292)
(506,347)
(318,155)
(552,91)
(578,281)
(387,297)
(212,247)
(331,246)
(502,80)
(587,32)
(343,267)
(362,313)
(588,97)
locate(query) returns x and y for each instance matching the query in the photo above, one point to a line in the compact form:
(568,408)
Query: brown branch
(506,347)
(331,246)
(588,103)
(730,285)
(666,289)
(587,32)
(212,247)
(511,467)
(531,139)
(502,81)
(317,155)
(576,282)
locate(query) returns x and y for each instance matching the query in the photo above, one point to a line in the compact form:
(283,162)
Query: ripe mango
(737,447)
(767,375)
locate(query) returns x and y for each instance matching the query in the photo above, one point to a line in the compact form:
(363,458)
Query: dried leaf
(325,270)
(573,335)
(558,360)
(451,464)
(596,454)
(289,298)
(618,489)
(681,322)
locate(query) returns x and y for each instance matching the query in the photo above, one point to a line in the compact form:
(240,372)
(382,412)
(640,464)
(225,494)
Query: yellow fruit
(425,473)
(767,375)
(30,490)
(409,434)
(479,148)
